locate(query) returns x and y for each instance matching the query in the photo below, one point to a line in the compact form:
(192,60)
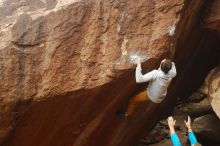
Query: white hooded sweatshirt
(158,82)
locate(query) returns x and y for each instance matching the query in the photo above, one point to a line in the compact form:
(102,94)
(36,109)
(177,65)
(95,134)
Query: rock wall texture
(196,53)
(211,84)
(208,128)
(212,15)
(65,70)
(63,64)
(212,89)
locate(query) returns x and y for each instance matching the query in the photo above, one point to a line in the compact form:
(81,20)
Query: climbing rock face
(52,47)
(211,88)
(65,70)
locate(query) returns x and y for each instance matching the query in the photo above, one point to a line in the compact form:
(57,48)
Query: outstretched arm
(191,135)
(173,135)
(140,78)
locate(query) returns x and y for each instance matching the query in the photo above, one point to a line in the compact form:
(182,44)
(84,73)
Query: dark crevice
(24,46)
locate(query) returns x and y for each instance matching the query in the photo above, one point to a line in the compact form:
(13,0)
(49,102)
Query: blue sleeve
(192,138)
(175,140)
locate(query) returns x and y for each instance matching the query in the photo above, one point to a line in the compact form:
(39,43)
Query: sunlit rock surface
(211,88)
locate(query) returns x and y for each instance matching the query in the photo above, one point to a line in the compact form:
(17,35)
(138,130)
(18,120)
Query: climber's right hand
(138,60)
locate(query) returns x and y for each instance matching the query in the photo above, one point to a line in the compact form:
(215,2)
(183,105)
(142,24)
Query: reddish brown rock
(208,126)
(212,89)
(212,15)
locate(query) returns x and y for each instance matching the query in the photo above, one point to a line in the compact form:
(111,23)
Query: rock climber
(174,137)
(159,80)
